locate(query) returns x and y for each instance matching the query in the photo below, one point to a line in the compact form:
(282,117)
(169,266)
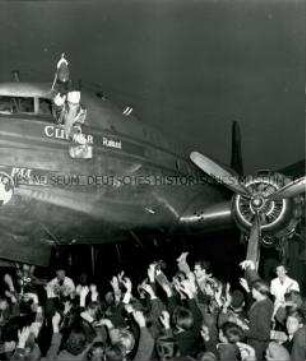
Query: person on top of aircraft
(69,113)
(74,114)
(62,75)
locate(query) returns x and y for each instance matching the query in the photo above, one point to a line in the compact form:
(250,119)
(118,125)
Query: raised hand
(148,288)
(35,328)
(205,333)
(247,351)
(105,322)
(228,297)
(177,286)
(129,308)
(187,288)
(68,306)
(23,336)
(247,264)
(151,272)
(56,319)
(139,318)
(244,283)
(9,346)
(84,291)
(182,257)
(83,294)
(115,283)
(127,283)
(120,276)
(218,292)
(165,319)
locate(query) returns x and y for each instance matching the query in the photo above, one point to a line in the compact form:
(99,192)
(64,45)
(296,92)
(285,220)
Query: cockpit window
(25,105)
(45,106)
(9,105)
(6,105)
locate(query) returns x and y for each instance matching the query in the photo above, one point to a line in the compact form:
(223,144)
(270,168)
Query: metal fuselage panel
(135,178)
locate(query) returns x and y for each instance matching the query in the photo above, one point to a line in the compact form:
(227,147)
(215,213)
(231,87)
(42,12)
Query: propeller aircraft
(116,174)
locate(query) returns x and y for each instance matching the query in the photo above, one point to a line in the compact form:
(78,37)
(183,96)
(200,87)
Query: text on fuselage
(52,131)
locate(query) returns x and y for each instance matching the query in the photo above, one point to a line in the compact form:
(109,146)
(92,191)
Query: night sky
(188,67)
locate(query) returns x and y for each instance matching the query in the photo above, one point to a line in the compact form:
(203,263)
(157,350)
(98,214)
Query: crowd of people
(192,316)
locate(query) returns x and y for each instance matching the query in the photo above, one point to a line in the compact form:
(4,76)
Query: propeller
(290,190)
(261,199)
(213,169)
(253,250)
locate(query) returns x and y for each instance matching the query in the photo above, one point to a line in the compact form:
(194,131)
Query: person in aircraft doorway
(70,114)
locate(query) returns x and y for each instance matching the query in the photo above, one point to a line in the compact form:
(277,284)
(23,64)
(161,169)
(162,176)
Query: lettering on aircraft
(111,143)
(26,176)
(52,131)
(21,173)
(56,132)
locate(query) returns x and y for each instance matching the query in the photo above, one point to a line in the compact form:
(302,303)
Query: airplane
(132,177)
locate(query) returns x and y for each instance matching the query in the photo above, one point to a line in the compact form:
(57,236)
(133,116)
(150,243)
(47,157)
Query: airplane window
(6,105)
(23,105)
(10,105)
(45,106)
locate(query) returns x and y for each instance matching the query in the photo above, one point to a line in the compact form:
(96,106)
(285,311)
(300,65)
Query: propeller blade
(236,157)
(253,244)
(292,189)
(222,175)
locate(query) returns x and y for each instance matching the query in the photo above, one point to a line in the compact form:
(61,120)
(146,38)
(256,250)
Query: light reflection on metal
(202,217)
(150,210)
(127,111)
(165,203)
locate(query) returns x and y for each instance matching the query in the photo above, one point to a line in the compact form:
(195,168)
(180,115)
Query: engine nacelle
(278,218)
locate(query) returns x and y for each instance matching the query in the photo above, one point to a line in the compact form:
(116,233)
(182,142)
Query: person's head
(114,353)
(93,308)
(109,298)
(126,340)
(295,321)
(277,352)
(237,300)
(281,272)
(3,304)
(260,290)
(179,276)
(230,333)
(96,352)
(183,318)
(200,269)
(60,275)
(208,288)
(207,356)
(26,267)
(83,279)
(166,348)
(93,288)
(76,342)
(295,299)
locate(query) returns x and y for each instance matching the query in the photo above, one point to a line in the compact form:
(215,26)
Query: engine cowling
(278,218)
